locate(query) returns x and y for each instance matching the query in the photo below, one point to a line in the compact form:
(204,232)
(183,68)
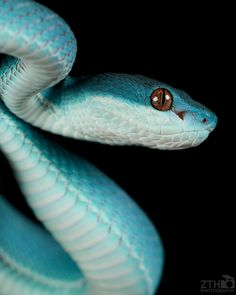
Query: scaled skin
(101,242)
(120,108)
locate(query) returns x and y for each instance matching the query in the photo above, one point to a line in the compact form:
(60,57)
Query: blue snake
(94,238)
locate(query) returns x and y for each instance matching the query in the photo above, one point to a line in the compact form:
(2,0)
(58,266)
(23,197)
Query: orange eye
(161,99)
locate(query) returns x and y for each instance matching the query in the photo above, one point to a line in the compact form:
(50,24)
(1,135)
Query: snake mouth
(212,124)
(182,140)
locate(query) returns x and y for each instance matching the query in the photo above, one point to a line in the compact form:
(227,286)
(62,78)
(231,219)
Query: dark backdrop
(188,194)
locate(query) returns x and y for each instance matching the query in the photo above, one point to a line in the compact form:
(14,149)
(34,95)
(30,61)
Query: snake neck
(41,50)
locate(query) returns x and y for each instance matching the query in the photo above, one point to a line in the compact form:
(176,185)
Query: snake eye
(161,99)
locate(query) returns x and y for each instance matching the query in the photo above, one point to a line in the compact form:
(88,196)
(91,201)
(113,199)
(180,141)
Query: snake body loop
(95,239)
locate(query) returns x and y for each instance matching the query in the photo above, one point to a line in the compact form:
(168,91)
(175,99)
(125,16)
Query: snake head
(182,122)
(126,109)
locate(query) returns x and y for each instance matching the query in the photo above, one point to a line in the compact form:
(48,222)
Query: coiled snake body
(97,240)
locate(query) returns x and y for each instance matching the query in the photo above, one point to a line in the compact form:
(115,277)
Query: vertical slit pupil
(163,98)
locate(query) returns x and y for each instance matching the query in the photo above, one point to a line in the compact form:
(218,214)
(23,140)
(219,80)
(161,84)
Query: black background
(188,194)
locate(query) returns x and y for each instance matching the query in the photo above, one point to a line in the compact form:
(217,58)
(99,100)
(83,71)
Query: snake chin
(198,137)
(178,141)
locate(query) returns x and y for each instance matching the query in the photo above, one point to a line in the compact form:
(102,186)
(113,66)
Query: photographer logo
(224,285)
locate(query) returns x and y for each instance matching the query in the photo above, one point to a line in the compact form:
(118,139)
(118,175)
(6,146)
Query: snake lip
(212,123)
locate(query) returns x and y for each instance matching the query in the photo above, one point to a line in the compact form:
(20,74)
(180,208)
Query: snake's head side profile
(135,110)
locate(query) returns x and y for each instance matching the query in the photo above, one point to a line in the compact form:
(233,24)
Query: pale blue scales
(95,239)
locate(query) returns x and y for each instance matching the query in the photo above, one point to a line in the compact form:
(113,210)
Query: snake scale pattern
(94,238)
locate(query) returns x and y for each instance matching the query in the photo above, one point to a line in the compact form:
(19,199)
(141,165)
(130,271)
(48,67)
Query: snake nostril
(204,120)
